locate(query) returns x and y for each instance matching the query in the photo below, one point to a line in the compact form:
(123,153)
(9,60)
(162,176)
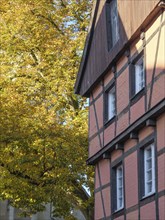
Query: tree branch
(34,57)
(49,18)
(24,176)
(19,174)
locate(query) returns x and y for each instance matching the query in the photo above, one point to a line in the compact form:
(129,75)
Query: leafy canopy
(43,124)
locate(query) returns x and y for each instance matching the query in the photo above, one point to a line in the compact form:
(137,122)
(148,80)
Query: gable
(133,18)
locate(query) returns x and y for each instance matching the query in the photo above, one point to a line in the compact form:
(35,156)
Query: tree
(43,124)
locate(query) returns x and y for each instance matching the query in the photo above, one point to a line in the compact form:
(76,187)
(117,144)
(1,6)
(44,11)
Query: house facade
(122,72)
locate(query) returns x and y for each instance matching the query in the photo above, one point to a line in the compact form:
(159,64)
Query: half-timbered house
(122,72)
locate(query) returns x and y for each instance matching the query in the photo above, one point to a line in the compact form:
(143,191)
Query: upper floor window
(149,170)
(110,103)
(137,75)
(112,23)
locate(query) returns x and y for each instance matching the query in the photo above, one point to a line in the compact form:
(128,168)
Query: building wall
(7,212)
(130,111)
(130,20)
(3,210)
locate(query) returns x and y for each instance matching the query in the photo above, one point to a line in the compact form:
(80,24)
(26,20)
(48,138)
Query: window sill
(117,213)
(110,121)
(148,195)
(118,210)
(135,98)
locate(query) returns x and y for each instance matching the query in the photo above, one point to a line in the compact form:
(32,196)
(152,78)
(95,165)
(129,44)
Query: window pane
(149,163)
(149,188)
(120,202)
(139,76)
(114,22)
(119,187)
(111,104)
(149,169)
(120,192)
(149,175)
(120,182)
(148,152)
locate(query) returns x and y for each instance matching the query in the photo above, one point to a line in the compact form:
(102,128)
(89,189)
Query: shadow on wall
(98,56)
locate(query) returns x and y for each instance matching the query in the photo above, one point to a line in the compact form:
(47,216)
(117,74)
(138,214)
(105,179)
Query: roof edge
(87,46)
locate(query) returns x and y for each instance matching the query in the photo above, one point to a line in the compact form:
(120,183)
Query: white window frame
(149,170)
(139,75)
(111,103)
(119,188)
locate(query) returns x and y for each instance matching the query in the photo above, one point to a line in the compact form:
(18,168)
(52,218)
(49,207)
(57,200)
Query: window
(119,188)
(149,170)
(137,76)
(110,104)
(112,23)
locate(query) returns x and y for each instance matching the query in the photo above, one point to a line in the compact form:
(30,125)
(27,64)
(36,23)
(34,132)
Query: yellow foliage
(43,124)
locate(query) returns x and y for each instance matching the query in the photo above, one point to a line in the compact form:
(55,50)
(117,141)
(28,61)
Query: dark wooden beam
(151,122)
(106,155)
(119,146)
(133,135)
